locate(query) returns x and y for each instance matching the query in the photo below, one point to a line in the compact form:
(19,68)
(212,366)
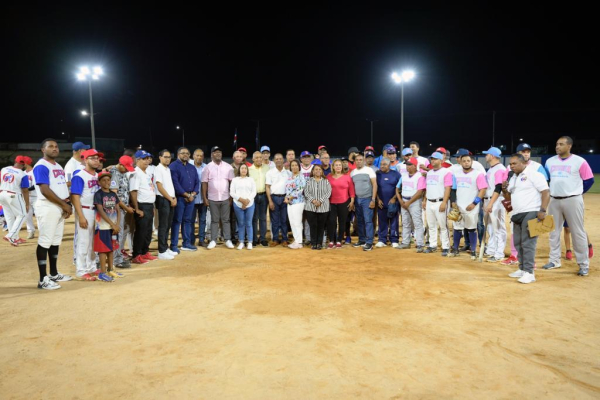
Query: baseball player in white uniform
(14,198)
(439,184)
(32,198)
(468,189)
(413,185)
(570,177)
(74,163)
(495,176)
(52,207)
(84,185)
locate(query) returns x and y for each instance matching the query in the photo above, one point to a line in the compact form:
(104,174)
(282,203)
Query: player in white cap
(52,208)
(439,184)
(84,185)
(14,198)
(495,176)
(570,177)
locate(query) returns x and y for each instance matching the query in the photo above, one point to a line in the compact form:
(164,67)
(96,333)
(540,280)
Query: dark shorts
(103,242)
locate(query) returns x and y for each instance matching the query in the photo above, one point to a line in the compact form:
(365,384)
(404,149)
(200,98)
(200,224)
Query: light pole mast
(89,75)
(92,116)
(406,76)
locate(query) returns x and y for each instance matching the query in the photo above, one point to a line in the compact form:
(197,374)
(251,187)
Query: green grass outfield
(596,187)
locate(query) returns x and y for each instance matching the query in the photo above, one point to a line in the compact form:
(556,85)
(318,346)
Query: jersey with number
(31,179)
(13,180)
(468,185)
(53,175)
(85,185)
(494,176)
(410,184)
(567,176)
(437,182)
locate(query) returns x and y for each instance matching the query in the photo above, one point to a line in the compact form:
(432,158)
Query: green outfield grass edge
(596,187)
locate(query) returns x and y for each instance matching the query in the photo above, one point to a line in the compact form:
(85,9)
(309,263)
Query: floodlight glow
(85,70)
(95,77)
(80,77)
(177,126)
(408,75)
(397,78)
(98,71)
(84,113)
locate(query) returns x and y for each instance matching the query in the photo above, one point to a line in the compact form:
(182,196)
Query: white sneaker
(30,235)
(165,256)
(394,245)
(211,245)
(517,274)
(240,246)
(527,278)
(380,244)
(60,278)
(229,244)
(249,245)
(48,284)
(171,253)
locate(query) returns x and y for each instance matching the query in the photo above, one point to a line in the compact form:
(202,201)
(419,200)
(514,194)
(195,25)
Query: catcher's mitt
(454,215)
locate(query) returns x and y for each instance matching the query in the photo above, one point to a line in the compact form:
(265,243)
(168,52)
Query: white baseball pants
(435,219)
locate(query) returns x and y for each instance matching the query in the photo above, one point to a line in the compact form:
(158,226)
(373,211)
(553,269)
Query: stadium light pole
(182,136)
(399,79)
(89,75)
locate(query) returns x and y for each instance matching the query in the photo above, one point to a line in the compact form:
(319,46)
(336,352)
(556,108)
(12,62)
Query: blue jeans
(364,216)
(183,218)
(279,219)
(260,214)
(384,222)
(244,221)
(199,215)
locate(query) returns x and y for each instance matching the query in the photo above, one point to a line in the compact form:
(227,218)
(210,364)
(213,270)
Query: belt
(278,195)
(7,191)
(565,197)
(260,193)
(487,198)
(435,200)
(406,198)
(87,207)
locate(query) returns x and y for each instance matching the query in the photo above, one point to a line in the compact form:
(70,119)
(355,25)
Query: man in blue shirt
(187,186)
(387,210)
(199,206)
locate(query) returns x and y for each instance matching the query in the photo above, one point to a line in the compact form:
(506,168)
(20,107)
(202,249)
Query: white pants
(85,261)
(413,217)
(29,216)
(469,218)
(14,212)
(496,222)
(51,223)
(295,212)
(435,219)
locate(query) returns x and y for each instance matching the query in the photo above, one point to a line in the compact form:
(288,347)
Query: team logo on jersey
(8,178)
(523,178)
(58,172)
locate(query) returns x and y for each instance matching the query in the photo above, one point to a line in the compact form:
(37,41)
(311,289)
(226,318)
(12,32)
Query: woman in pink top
(341,203)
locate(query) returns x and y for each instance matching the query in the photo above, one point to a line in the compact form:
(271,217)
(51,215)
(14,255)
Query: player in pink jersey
(570,177)
(409,192)
(496,213)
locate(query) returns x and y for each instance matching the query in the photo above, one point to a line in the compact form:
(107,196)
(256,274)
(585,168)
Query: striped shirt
(317,190)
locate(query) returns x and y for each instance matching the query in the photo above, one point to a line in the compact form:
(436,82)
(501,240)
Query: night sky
(311,77)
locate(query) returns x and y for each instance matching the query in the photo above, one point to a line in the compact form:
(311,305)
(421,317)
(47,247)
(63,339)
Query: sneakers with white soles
(517,274)
(229,244)
(527,278)
(61,278)
(211,245)
(48,284)
(240,246)
(165,256)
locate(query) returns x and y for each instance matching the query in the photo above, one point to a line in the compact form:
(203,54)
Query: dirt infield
(274,323)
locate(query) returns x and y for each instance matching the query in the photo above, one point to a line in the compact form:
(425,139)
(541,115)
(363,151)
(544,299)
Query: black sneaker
(465,248)
(124,264)
(444,252)
(368,247)
(429,250)
(314,247)
(254,243)
(358,244)
(264,243)
(319,247)
(453,253)
(420,249)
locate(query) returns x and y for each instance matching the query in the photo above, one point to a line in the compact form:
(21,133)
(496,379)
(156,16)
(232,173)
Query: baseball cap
(352,150)
(265,148)
(127,162)
(523,146)
(101,157)
(103,174)
(496,152)
(305,153)
(217,148)
(407,151)
(345,158)
(80,146)
(441,150)
(321,147)
(385,146)
(240,149)
(140,154)
(412,161)
(463,152)
(390,149)
(370,148)
(437,155)
(369,154)
(90,153)
(20,159)
(27,160)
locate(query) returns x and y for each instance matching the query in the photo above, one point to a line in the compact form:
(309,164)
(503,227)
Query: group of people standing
(314,197)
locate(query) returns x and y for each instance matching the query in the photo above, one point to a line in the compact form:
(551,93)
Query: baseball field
(274,323)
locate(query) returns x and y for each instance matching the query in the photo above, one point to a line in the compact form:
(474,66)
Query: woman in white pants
(294,198)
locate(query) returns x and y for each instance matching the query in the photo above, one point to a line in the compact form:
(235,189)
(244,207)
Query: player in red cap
(14,198)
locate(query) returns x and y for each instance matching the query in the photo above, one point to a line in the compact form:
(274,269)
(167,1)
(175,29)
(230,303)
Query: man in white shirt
(529,195)
(165,203)
(75,163)
(143,197)
(275,184)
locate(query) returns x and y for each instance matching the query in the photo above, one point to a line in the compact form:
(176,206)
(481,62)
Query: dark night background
(312,77)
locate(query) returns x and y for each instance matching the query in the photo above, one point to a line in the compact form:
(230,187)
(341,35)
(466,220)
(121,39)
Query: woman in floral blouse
(294,198)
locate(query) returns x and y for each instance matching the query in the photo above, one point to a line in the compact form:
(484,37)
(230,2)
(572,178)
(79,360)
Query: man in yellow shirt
(258,172)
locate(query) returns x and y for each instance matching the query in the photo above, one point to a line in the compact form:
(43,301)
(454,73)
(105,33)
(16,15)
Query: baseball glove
(454,215)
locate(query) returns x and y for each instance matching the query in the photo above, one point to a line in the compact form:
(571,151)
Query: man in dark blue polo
(387,210)
(187,187)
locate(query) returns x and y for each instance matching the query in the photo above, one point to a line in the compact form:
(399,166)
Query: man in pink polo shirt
(216,178)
